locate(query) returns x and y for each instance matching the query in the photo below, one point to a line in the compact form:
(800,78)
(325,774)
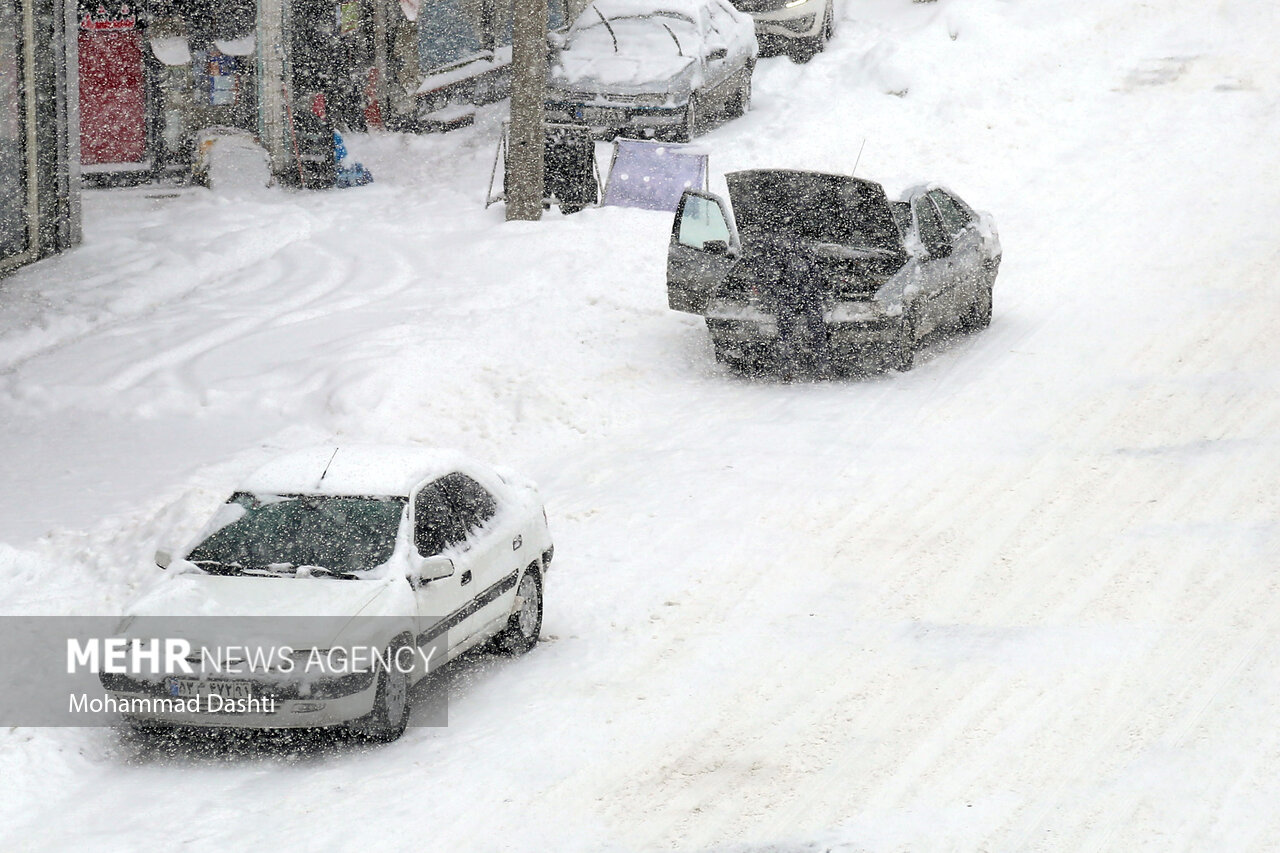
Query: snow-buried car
(329,583)
(652,67)
(823,272)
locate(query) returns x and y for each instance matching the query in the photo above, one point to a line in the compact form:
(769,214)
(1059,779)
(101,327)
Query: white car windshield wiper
(218,567)
(271,570)
(679,50)
(306,570)
(605,21)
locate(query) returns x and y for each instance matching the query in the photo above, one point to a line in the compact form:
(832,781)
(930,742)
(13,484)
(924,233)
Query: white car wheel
(525,623)
(390,713)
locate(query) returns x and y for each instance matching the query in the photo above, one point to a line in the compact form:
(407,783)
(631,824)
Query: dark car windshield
(342,534)
(814,207)
(902,216)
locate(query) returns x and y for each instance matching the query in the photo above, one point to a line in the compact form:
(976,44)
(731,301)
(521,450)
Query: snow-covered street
(1020,598)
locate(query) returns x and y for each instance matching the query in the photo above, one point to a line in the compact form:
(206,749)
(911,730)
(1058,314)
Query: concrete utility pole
(525,179)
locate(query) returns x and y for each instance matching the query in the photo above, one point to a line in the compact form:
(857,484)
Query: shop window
(453,30)
(504,22)
(449,31)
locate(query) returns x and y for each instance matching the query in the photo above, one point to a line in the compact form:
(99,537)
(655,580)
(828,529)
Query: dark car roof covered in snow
(812,206)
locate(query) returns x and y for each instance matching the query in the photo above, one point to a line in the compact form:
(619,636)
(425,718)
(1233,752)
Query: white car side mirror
(426,569)
(163,558)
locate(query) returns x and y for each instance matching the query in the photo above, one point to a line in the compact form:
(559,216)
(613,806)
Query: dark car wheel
(524,626)
(390,713)
(904,346)
(979,316)
(740,103)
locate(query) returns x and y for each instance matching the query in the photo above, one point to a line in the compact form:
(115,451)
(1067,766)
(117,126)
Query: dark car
(799,28)
(827,264)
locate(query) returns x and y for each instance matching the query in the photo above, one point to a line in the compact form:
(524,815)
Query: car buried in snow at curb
(877,275)
(799,28)
(652,68)
(329,583)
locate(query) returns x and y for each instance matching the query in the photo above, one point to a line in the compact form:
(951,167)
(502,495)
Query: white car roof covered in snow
(690,9)
(357,470)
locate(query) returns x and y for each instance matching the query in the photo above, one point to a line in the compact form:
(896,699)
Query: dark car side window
(435,525)
(954,217)
(447,510)
(470,502)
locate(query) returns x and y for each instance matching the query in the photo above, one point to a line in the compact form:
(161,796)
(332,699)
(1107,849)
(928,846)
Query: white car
(799,28)
(347,559)
(652,67)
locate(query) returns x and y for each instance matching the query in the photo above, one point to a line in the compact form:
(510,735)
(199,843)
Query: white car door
(493,546)
(444,602)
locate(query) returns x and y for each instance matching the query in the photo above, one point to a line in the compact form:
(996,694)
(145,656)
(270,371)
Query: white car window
(721,19)
(715,26)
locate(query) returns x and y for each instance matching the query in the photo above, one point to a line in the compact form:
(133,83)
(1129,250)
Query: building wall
(465,50)
(39,183)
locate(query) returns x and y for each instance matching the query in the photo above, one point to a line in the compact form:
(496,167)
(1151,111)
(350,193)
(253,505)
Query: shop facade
(163,76)
(159,75)
(39,156)
(464,50)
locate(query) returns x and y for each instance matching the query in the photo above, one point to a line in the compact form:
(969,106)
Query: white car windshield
(300,534)
(661,32)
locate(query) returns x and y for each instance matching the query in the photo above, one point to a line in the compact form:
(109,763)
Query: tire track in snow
(227,267)
(317,266)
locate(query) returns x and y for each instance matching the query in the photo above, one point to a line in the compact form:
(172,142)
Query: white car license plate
(593,113)
(191,688)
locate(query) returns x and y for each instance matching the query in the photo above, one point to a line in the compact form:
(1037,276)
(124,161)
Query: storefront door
(112,96)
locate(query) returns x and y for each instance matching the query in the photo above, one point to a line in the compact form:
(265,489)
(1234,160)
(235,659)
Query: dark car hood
(843,224)
(814,207)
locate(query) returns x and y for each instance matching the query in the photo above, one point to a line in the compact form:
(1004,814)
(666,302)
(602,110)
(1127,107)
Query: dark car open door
(704,247)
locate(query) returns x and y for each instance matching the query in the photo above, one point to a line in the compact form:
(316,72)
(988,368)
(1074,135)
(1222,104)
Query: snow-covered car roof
(918,190)
(690,9)
(356,470)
